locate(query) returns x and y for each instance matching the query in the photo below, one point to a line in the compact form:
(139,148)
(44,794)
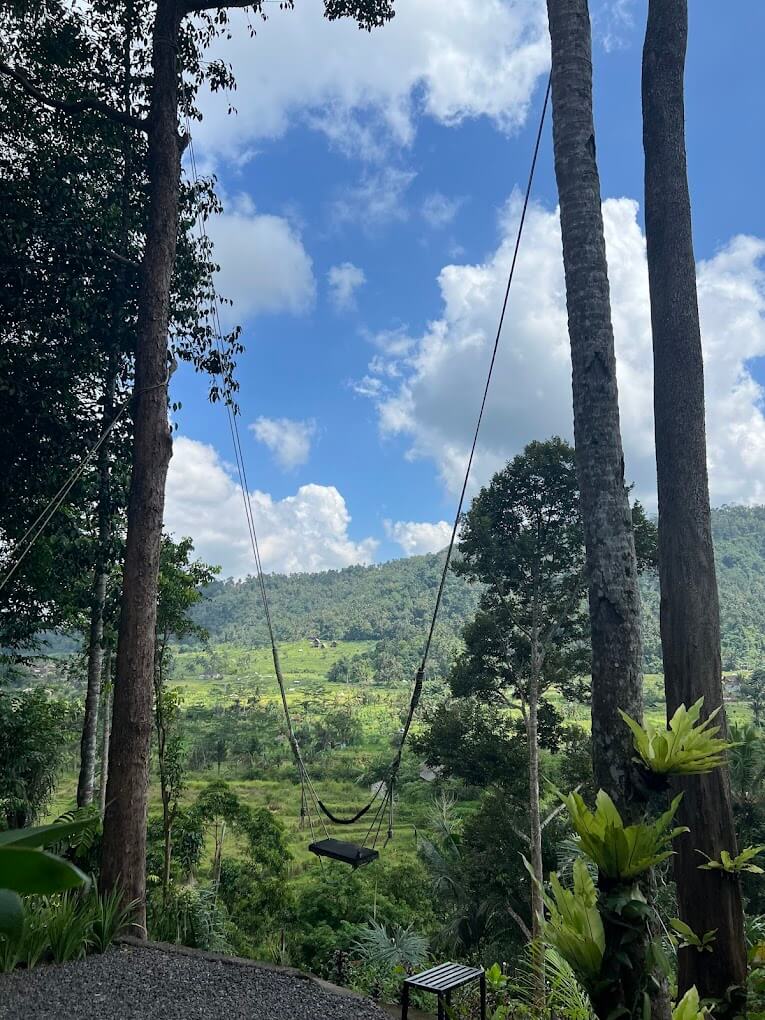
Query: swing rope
(388,783)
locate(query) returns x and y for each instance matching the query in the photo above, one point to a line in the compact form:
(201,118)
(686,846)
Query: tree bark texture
(124,848)
(106,728)
(89,740)
(690,619)
(614,597)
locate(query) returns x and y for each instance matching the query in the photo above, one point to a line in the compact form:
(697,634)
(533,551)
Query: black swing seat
(347,853)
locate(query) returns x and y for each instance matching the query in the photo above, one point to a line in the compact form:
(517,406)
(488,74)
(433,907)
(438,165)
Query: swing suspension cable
(233,424)
(21,549)
(386,786)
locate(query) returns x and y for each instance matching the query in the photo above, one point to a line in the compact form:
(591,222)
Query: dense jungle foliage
(393,600)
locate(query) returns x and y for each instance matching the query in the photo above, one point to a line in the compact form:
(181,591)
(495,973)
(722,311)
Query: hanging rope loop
(389,784)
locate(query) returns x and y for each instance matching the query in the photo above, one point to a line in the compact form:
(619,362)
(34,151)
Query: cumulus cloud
(439,211)
(377,200)
(429,391)
(288,440)
(467,58)
(304,532)
(418,537)
(344,280)
(264,267)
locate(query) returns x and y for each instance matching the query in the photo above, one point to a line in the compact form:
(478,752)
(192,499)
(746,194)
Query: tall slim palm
(610,547)
(690,616)
(611,563)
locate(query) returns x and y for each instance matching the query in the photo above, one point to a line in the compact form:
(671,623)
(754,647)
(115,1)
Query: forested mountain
(389,600)
(395,599)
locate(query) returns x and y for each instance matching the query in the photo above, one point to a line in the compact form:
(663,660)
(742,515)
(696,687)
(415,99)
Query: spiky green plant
(109,917)
(400,947)
(565,995)
(574,927)
(68,925)
(688,747)
(621,852)
(735,865)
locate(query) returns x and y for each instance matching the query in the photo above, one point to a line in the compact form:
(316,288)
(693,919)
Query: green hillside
(394,600)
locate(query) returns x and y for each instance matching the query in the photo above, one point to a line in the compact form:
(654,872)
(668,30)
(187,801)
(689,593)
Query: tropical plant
(688,747)
(689,1008)
(622,852)
(735,865)
(190,917)
(109,917)
(688,939)
(68,925)
(34,727)
(574,926)
(26,868)
(400,947)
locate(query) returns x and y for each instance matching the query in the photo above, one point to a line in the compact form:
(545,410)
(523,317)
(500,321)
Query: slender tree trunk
(161,726)
(611,563)
(690,619)
(535,821)
(89,740)
(535,832)
(106,727)
(124,847)
(610,547)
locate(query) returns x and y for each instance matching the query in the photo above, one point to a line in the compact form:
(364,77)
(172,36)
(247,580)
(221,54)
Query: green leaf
(619,851)
(11,914)
(689,939)
(28,871)
(574,927)
(734,865)
(688,747)
(44,835)
(689,1007)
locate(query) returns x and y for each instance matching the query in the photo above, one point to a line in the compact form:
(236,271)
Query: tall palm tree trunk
(690,617)
(611,563)
(610,547)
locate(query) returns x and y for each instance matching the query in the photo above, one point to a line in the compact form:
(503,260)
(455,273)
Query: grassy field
(226,676)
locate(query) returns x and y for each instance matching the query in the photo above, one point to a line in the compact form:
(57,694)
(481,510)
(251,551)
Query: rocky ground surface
(131,982)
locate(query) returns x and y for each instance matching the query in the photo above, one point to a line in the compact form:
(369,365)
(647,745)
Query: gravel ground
(129,983)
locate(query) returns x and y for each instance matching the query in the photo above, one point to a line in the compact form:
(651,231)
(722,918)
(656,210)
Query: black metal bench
(442,981)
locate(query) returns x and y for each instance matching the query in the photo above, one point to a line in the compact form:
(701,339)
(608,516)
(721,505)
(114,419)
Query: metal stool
(441,981)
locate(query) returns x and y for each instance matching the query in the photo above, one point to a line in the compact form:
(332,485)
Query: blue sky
(355,172)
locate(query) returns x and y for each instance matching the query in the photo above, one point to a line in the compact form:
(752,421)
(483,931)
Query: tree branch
(122,259)
(520,922)
(73,106)
(556,811)
(197,6)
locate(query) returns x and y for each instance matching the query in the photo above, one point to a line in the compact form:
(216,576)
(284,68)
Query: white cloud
(304,532)
(613,22)
(264,266)
(439,211)
(467,58)
(377,200)
(418,537)
(430,390)
(344,280)
(287,439)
